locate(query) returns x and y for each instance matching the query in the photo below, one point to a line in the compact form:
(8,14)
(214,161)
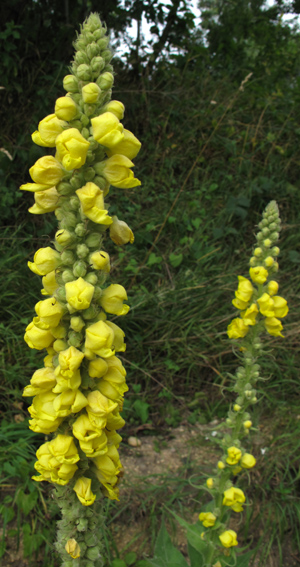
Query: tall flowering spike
(260,313)
(78,394)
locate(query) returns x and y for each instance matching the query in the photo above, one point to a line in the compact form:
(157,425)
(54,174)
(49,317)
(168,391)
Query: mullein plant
(78,394)
(260,311)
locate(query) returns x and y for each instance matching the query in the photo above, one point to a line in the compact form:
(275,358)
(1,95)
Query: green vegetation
(214,154)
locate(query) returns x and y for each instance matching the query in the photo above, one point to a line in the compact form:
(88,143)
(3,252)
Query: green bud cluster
(81,523)
(265,253)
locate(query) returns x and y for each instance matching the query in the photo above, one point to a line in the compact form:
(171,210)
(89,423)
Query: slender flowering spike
(260,313)
(79,393)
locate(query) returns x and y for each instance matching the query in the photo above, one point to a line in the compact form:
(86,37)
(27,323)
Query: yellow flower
(248,461)
(98,408)
(118,173)
(247,424)
(233,496)
(90,93)
(273,326)
(49,313)
(239,304)
(107,130)
(65,108)
(92,203)
(72,548)
(46,173)
(116,107)
(69,401)
(79,294)
(100,339)
(45,260)
(45,201)
(71,149)
(234,455)
(108,466)
(120,233)
(100,260)
(129,146)
(228,538)
(208,519)
(118,342)
(42,406)
(56,468)
(83,490)
(259,274)
(50,284)
(237,329)
(236,407)
(77,324)
(43,380)
(112,300)
(210,483)
(280,306)
(249,316)
(245,289)
(272,287)
(69,361)
(266,305)
(98,367)
(38,338)
(48,130)
(221,465)
(63,448)
(114,420)
(94,447)
(45,426)
(83,429)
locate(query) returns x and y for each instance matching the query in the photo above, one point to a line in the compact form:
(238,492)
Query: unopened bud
(79,269)
(82,251)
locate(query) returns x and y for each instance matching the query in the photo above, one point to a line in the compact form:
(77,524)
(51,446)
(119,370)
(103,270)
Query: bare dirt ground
(159,471)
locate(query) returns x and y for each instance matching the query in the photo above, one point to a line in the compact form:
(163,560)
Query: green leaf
(243,560)
(153,259)
(193,534)
(26,502)
(196,558)
(196,222)
(130,558)
(175,259)
(118,563)
(8,514)
(141,410)
(165,554)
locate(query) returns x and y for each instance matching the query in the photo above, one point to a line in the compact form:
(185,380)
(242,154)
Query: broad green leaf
(193,534)
(165,554)
(196,558)
(175,259)
(26,502)
(130,558)
(153,259)
(141,410)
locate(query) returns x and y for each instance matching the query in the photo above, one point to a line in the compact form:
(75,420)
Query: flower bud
(275,250)
(77,324)
(84,72)
(67,257)
(210,483)
(93,239)
(221,465)
(236,407)
(269,261)
(75,339)
(82,251)
(257,252)
(70,84)
(99,260)
(80,230)
(67,276)
(72,548)
(267,243)
(92,50)
(105,81)
(92,278)
(63,237)
(119,232)
(97,64)
(65,108)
